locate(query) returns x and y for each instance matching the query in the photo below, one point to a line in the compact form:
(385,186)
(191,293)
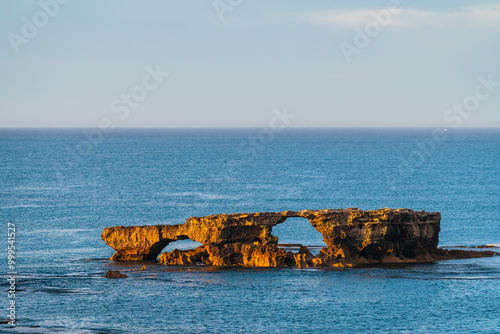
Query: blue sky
(233,67)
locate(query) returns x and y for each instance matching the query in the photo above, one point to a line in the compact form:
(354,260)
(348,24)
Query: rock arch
(352,237)
(297,232)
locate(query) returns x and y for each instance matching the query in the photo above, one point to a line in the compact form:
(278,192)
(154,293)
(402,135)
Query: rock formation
(353,237)
(115,274)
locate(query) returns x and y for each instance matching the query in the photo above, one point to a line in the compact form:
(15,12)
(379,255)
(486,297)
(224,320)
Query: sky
(239,63)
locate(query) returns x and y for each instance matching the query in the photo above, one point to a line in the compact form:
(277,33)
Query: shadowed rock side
(353,237)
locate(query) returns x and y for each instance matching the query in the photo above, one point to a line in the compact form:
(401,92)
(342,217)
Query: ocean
(61,188)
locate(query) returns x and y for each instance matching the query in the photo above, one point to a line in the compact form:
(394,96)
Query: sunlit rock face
(353,237)
(140,242)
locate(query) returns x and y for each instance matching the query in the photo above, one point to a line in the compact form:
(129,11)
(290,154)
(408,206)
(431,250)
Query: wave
(20,206)
(203,195)
(56,231)
(479,246)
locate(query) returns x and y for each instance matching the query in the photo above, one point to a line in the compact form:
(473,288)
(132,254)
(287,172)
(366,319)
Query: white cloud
(409,17)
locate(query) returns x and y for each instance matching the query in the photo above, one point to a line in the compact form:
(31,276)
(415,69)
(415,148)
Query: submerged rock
(353,237)
(115,274)
(465,254)
(488,246)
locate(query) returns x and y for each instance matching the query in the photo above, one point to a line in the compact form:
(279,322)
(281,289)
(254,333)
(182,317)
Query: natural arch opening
(182,245)
(183,252)
(296,232)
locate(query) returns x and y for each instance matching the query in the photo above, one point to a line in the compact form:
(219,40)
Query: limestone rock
(247,255)
(464,254)
(140,242)
(115,274)
(185,257)
(353,237)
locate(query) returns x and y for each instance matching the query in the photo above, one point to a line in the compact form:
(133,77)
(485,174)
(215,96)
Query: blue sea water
(62,187)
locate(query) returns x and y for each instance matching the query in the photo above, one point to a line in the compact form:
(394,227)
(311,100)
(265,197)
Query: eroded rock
(115,274)
(353,237)
(185,257)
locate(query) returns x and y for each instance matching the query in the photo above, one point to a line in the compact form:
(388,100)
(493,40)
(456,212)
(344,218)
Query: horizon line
(247,127)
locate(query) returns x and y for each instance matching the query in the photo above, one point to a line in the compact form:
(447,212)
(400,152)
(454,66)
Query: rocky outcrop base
(353,238)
